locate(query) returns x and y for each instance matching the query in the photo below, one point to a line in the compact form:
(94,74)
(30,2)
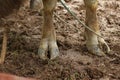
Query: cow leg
(92,41)
(48,42)
(4,46)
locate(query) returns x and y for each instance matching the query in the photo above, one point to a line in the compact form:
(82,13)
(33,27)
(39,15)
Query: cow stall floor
(74,62)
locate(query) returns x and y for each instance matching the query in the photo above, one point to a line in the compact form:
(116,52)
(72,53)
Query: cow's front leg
(92,41)
(48,45)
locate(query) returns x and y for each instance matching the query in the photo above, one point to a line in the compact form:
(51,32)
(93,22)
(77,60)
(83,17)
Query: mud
(75,62)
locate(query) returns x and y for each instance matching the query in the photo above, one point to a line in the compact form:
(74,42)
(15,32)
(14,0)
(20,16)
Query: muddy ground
(75,62)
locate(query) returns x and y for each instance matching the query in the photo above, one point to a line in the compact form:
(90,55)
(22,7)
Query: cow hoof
(42,54)
(48,50)
(54,53)
(104,46)
(95,50)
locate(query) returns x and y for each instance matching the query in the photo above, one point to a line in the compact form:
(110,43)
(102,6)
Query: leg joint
(91,4)
(49,5)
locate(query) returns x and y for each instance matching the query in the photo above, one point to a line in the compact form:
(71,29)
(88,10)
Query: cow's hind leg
(92,41)
(48,45)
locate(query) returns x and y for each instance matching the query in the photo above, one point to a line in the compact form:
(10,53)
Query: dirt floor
(75,62)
